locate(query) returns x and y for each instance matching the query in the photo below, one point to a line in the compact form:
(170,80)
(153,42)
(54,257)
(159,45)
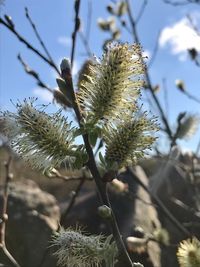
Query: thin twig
(142,9)
(29,46)
(194,27)
(34,74)
(89,20)
(198,148)
(187,208)
(73,199)
(91,164)
(86,44)
(160,204)
(191,96)
(57,174)
(38,35)
(165,89)
(76,29)
(4,215)
(178,3)
(133,196)
(155,50)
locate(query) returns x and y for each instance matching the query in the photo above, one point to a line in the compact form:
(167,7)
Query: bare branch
(155,50)
(165,89)
(29,46)
(181,3)
(57,174)
(4,216)
(89,20)
(75,194)
(85,43)
(142,9)
(91,164)
(160,204)
(38,36)
(76,29)
(34,74)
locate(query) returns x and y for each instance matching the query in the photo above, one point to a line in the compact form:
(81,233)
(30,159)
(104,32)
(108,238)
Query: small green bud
(122,8)
(9,21)
(65,65)
(110,9)
(161,235)
(105,212)
(193,53)
(116,34)
(180,85)
(106,25)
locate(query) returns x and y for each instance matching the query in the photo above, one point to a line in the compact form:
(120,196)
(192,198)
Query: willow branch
(91,164)
(12,29)
(179,3)
(57,174)
(38,36)
(142,9)
(160,204)
(194,98)
(76,28)
(34,74)
(155,51)
(73,199)
(85,43)
(4,216)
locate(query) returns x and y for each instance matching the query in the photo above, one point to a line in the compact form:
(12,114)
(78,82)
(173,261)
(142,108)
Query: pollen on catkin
(42,140)
(188,253)
(127,141)
(75,249)
(112,84)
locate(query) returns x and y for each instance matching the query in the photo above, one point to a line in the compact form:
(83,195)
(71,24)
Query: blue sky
(54,20)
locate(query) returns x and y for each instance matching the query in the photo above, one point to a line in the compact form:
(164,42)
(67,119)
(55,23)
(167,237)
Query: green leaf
(62,85)
(78,132)
(85,158)
(78,164)
(93,136)
(101,158)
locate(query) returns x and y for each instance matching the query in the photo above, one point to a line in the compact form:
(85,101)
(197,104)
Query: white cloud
(43,94)
(66,41)
(180,36)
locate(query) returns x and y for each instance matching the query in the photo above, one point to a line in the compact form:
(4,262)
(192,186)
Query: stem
(76,28)
(29,46)
(72,201)
(91,164)
(4,216)
(38,36)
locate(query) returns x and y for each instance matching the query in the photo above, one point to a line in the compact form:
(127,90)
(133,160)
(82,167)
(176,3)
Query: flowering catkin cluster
(127,140)
(108,96)
(44,141)
(75,249)
(189,253)
(112,85)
